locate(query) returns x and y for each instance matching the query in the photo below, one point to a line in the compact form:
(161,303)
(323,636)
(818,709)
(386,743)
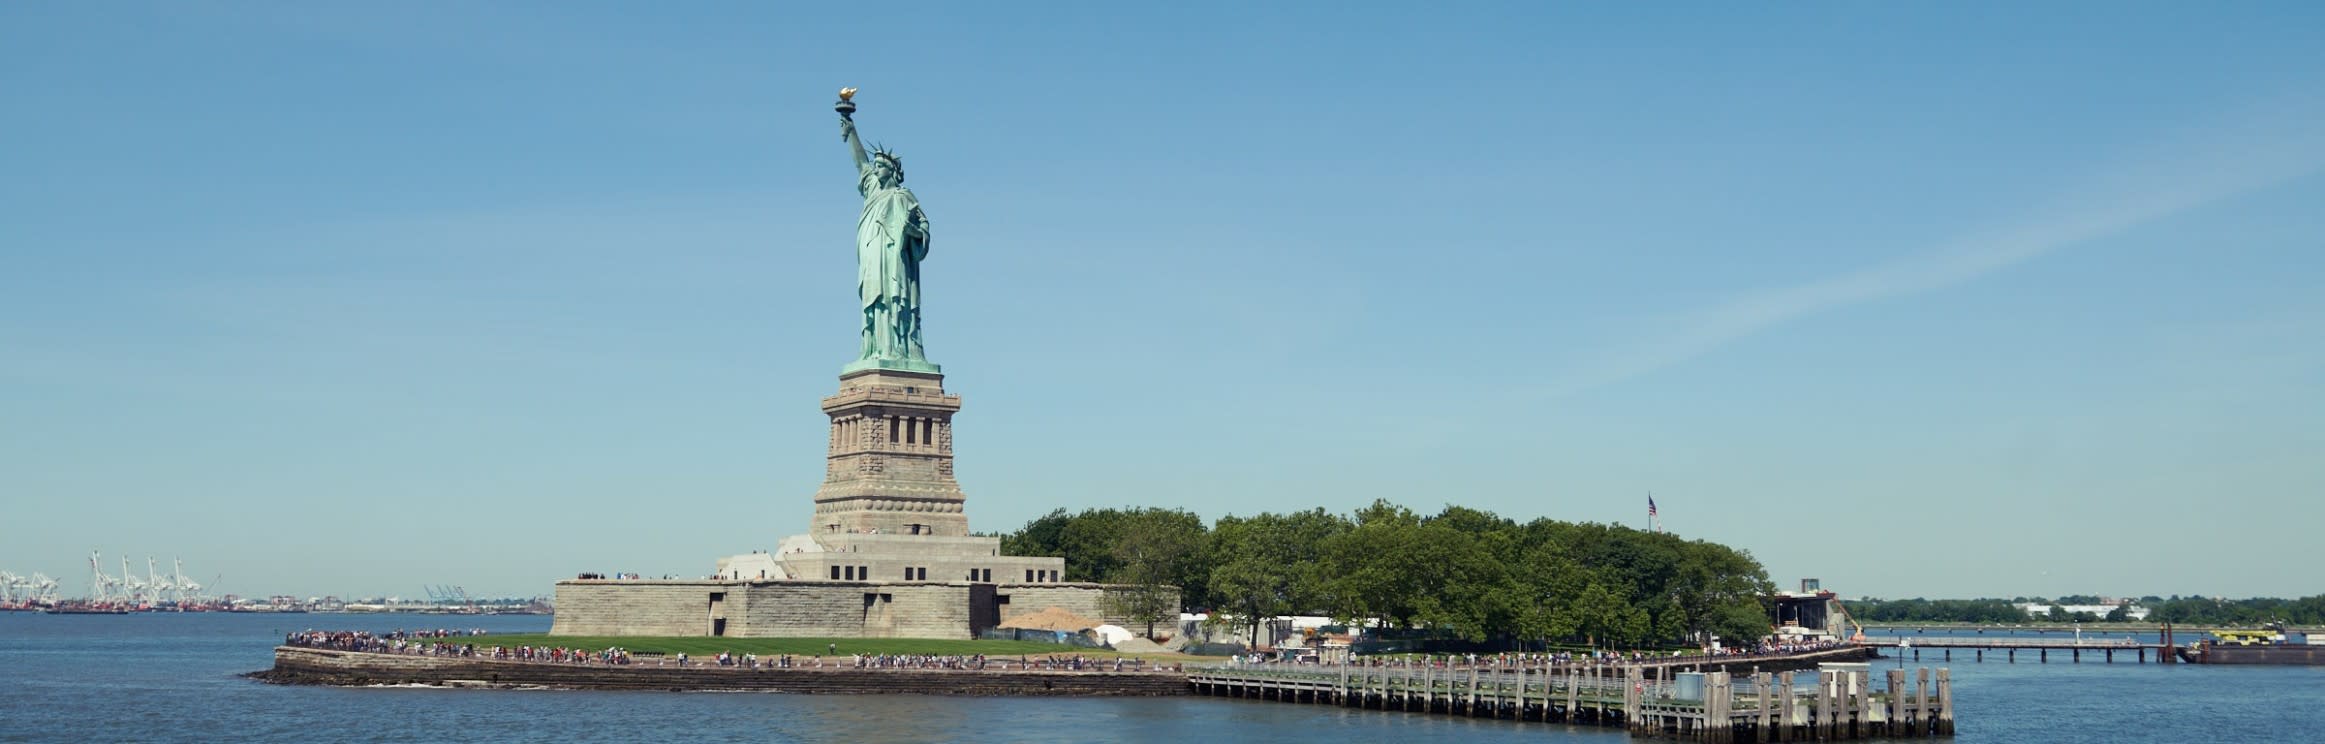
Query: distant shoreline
(2048,627)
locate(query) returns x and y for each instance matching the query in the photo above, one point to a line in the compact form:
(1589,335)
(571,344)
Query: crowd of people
(970,662)
(456,643)
(461,644)
(1513,660)
(439,642)
(1775,647)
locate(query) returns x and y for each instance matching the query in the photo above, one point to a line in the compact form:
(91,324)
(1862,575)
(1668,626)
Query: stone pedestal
(888,553)
(890,467)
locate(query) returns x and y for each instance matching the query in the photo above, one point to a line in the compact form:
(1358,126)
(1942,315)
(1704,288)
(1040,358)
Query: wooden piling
(1791,710)
(1546,692)
(1827,700)
(1860,704)
(1470,708)
(1718,700)
(1896,703)
(1764,716)
(1598,687)
(1945,712)
(1921,703)
(1428,688)
(1573,692)
(1631,699)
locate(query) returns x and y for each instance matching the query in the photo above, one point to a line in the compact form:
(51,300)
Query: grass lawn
(700,646)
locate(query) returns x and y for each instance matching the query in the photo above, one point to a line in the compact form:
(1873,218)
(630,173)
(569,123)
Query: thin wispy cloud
(2259,152)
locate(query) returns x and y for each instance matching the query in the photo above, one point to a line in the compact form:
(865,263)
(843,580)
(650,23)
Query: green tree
(1605,619)
(1461,586)
(1087,542)
(1551,584)
(1715,587)
(1463,572)
(1370,570)
(1156,552)
(1268,565)
(1044,536)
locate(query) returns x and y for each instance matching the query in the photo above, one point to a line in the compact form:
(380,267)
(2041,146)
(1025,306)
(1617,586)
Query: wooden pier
(2038,648)
(1763,707)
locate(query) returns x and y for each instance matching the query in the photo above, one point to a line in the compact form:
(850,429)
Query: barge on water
(2270,646)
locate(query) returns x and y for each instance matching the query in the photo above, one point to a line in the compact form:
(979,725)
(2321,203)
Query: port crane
(448,594)
(188,591)
(25,590)
(127,588)
(100,585)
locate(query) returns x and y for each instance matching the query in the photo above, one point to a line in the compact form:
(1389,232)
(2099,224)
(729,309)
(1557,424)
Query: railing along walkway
(1764,707)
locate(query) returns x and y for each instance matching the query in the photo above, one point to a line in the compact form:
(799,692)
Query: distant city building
(2042,610)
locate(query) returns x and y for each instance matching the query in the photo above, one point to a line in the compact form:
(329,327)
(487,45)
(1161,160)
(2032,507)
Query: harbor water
(168,678)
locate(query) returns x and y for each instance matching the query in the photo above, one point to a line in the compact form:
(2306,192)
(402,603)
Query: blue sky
(1937,299)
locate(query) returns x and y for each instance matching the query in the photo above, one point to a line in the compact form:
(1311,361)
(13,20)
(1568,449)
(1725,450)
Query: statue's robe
(891,239)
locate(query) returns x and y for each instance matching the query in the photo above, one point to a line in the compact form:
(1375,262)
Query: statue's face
(884,173)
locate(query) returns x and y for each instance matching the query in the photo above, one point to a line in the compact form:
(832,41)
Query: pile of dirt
(1137,645)
(1050,618)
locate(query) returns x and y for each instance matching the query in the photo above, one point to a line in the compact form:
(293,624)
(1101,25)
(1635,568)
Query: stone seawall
(808,609)
(295,665)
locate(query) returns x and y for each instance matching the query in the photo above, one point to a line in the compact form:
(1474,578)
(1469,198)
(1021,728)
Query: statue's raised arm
(847,109)
(855,144)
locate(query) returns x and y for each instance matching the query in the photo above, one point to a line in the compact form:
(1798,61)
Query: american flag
(1650,505)
(1653,521)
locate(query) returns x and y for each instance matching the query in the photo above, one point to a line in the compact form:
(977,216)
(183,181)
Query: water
(168,678)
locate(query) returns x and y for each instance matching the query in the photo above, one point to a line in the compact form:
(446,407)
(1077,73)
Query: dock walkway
(1766,706)
(2041,647)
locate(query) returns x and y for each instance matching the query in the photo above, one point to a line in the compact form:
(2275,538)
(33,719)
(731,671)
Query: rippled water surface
(172,678)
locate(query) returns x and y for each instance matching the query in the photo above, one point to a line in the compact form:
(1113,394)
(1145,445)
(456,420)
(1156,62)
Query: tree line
(2307,611)
(1460,573)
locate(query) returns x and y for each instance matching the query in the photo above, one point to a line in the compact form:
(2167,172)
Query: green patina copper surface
(891,239)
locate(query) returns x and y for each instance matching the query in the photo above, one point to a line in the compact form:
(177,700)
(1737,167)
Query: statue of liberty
(891,239)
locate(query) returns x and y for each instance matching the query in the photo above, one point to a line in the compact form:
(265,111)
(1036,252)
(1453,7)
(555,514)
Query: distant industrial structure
(1812,614)
(26,591)
(2045,610)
